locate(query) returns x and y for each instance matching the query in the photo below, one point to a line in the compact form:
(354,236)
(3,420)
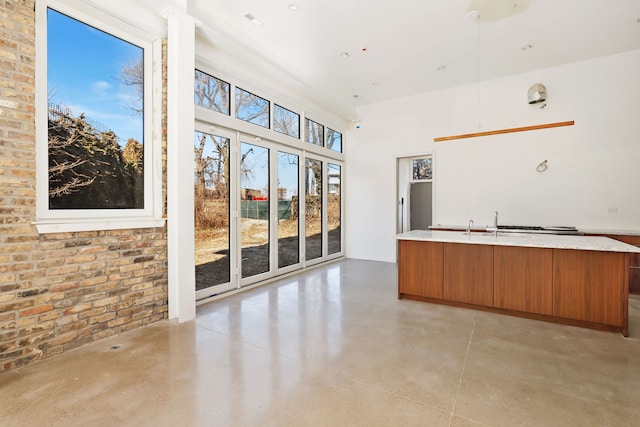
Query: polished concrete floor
(335,347)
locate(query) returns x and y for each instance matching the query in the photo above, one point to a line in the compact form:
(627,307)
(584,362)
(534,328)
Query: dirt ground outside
(212,251)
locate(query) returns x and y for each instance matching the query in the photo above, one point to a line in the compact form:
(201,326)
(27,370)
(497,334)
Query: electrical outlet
(613,210)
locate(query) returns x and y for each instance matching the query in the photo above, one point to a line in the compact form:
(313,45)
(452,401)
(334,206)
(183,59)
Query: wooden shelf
(500,131)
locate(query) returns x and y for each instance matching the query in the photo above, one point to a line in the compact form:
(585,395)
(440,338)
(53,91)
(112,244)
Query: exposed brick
(76,326)
(52,285)
(36,310)
(7,297)
(121,306)
(33,327)
(103,334)
(35,339)
(67,320)
(32,292)
(93,281)
(106,301)
(102,318)
(18,305)
(63,338)
(93,313)
(78,308)
(61,287)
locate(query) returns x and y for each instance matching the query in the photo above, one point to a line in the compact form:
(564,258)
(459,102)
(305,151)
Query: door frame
(403,184)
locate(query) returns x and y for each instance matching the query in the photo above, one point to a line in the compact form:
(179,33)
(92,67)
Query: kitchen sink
(478,233)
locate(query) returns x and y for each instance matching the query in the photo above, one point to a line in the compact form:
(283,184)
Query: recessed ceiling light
(344,55)
(253,19)
(356,96)
(527,47)
(294,6)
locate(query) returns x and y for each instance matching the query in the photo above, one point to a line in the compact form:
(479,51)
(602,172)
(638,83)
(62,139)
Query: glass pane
(334,140)
(313,209)
(95,86)
(314,132)
(252,108)
(288,208)
(422,169)
(212,93)
(286,121)
(254,209)
(211,186)
(333,209)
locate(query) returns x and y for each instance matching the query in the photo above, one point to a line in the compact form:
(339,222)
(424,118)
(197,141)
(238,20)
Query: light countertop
(582,230)
(588,243)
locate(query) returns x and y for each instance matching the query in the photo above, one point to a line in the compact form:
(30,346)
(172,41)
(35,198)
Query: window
(314,132)
(212,93)
(251,108)
(334,208)
(334,140)
(212,209)
(313,209)
(95,153)
(286,121)
(422,169)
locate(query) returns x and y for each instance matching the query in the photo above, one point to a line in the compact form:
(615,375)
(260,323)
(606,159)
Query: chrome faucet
(495,224)
(469,227)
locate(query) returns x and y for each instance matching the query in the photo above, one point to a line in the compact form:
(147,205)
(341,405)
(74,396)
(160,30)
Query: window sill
(96,224)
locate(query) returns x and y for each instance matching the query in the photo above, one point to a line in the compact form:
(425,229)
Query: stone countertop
(581,230)
(587,243)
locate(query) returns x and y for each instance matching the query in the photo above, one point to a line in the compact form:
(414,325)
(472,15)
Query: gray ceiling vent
(537,93)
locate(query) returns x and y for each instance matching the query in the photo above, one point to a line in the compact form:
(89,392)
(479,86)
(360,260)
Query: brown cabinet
(578,287)
(523,279)
(589,286)
(468,273)
(634,261)
(634,273)
(420,268)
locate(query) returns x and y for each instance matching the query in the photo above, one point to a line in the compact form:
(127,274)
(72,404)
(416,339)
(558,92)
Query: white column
(180,125)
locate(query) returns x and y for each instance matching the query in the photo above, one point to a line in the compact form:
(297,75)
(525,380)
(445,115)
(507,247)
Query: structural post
(180,197)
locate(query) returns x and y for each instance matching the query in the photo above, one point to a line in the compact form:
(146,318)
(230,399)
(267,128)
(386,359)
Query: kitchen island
(576,280)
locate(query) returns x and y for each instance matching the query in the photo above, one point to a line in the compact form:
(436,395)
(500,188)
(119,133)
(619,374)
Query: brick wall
(59,291)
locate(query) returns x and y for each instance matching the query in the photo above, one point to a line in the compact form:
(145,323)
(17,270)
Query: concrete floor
(334,347)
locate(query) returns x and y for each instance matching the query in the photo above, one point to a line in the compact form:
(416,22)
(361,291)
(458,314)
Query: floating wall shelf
(499,131)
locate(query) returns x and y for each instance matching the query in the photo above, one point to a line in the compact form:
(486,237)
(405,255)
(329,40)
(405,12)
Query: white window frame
(53,221)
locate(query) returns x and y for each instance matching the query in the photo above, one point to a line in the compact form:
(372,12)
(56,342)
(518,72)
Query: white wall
(593,166)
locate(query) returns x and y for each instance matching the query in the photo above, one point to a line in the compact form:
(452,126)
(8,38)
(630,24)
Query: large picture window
(94,146)
(95,117)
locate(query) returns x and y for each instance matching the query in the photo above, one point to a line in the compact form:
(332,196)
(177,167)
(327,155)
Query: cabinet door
(634,273)
(523,279)
(420,268)
(468,273)
(589,286)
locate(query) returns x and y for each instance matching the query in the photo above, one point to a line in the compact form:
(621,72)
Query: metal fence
(259,209)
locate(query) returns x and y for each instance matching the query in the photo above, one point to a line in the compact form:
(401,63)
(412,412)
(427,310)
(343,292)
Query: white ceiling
(407,41)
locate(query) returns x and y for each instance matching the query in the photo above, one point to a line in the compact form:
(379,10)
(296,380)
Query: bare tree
(70,165)
(286,122)
(251,108)
(132,74)
(211,93)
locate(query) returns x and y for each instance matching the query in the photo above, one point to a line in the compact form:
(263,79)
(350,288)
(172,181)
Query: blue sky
(257,160)
(83,70)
